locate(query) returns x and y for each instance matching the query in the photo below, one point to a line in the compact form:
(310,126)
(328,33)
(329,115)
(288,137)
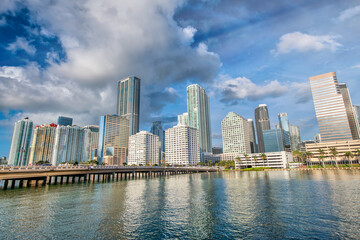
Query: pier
(40,176)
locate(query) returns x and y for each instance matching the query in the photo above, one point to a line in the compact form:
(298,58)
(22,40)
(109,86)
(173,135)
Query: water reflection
(273,205)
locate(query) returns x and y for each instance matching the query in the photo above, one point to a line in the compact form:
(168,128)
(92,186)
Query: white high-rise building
(91,142)
(183,119)
(330,108)
(19,150)
(182,145)
(144,149)
(235,134)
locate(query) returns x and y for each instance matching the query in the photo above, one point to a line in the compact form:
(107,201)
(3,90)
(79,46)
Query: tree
(349,155)
(255,158)
(357,154)
(307,156)
(264,157)
(322,157)
(298,155)
(334,153)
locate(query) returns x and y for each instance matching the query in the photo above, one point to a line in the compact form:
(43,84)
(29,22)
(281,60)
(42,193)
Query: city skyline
(49,70)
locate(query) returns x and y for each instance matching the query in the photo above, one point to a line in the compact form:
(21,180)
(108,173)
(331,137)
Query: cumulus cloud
(302,42)
(104,42)
(349,13)
(356,66)
(22,44)
(241,88)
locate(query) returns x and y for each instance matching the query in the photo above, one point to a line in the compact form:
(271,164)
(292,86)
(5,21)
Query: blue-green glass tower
(19,150)
(199,115)
(128,104)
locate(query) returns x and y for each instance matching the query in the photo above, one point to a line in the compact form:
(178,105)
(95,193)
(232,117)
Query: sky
(66,57)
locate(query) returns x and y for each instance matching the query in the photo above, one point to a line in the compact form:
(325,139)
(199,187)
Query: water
(246,205)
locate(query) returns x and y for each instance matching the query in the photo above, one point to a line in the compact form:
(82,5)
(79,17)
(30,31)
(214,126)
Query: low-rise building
(272,160)
(341,147)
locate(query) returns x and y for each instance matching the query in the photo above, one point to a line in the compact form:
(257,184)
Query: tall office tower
(330,108)
(65,121)
(157,129)
(68,145)
(144,149)
(19,150)
(317,138)
(91,142)
(128,104)
(181,145)
(235,134)
(113,140)
(285,126)
(274,140)
(349,110)
(262,123)
(199,115)
(42,144)
(295,139)
(183,119)
(356,110)
(253,145)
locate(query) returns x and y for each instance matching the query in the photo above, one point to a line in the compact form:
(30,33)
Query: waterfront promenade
(26,177)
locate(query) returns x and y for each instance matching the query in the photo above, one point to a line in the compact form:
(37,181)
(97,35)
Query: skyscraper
(19,150)
(91,141)
(199,115)
(253,145)
(157,129)
(274,140)
(128,104)
(183,119)
(295,139)
(356,110)
(285,126)
(65,121)
(349,110)
(330,108)
(235,134)
(144,149)
(69,145)
(113,140)
(262,123)
(42,144)
(181,145)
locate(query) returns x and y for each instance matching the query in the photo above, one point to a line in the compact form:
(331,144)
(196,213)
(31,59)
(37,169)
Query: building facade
(252,138)
(341,147)
(199,115)
(235,134)
(285,126)
(157,129)
(330,108)
(262,123)
(113,140)
(65,121)
(91,142)
(19,150)
(181,146)
(295,138)
(144,149)
(274,140)
(349,111)
(273,160)
(42,144)
(183,119)
(128,104)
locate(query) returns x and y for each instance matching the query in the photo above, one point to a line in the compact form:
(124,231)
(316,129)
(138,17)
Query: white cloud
(302,42)
(356,66)
(240,88)
(2,21)
(105,42)
(349,13)
(21,44)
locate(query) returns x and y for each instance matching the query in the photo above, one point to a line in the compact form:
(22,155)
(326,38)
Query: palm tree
(264,157)
(349,155)
(357,154)
(322,156)
(297,154)
(307,156)
(334,153)
(255,159)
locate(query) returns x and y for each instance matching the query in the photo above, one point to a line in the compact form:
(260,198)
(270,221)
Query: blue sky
(65,57)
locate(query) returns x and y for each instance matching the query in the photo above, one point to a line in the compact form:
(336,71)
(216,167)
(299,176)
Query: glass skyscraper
(199,115)
(330,108)
(19,150)
(274,140)
(285,126)
(349,110)
(128,104)
(43,144)
(262,123)
(253,144)
(65,121)
(157,130)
